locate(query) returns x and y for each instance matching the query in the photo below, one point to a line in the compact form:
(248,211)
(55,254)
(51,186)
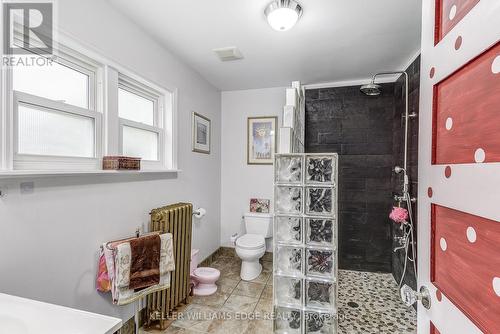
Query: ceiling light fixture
(283,14)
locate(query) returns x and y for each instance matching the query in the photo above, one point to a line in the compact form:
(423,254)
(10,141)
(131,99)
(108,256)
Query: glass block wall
(305,243)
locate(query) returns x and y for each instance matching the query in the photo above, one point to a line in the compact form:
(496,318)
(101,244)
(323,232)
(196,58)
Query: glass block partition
(305,243)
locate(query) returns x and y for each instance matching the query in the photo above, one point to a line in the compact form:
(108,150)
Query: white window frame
(31,161)
(87,66)
(146,91)
(77,62)
(12,160)
(105,76)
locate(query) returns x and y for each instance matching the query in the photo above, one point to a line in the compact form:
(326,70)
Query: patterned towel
(145,262)
(119,271)
(167,263)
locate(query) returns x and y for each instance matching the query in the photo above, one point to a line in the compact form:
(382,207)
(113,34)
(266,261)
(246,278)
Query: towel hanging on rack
(103,282)
(167,263)
(118,269)
(144,262)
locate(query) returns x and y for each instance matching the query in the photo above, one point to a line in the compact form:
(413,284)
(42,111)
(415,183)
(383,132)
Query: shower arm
(407,118)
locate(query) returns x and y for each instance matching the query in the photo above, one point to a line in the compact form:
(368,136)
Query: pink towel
(103,282)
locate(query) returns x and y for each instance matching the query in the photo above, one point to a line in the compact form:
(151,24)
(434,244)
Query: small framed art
(259,205)
(201,134)
(261,140)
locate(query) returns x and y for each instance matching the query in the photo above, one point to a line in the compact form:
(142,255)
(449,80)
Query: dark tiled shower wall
(360,129)
(398,128)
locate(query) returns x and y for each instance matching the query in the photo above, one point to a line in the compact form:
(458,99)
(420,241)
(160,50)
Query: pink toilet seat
(207,274)
(206,278)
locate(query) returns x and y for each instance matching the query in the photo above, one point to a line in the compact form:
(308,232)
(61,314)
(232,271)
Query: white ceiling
(335,40)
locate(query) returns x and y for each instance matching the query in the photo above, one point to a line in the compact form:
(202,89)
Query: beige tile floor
(238,307)
(380,309)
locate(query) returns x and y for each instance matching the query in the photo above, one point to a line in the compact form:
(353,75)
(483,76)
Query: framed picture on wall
(261,140)
(259,205)
(201,134)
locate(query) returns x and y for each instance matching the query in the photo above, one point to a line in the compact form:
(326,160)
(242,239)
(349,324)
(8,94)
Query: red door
(459,167)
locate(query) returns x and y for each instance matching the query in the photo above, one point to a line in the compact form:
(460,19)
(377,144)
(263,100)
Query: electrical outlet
(27,187)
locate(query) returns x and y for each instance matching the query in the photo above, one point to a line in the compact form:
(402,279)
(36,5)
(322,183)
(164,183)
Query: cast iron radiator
(176,219)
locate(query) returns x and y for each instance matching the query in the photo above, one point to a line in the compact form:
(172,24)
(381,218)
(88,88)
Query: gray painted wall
(241,181)
(49,239)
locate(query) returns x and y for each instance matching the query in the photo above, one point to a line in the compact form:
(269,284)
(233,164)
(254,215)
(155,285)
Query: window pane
(55,82)
(44,132)
(140,143)
(135,107)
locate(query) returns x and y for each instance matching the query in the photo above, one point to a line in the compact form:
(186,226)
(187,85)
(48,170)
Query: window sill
(14,174)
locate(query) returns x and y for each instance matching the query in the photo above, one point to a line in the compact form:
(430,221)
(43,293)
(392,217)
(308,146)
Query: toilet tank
(259,223)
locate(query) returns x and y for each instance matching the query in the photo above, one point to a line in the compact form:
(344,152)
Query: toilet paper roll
(233,238)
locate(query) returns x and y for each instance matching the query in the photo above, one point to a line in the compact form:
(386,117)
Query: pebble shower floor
(370,303)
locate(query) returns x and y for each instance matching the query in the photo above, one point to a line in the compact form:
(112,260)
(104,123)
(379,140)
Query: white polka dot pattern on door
(460,108)
(496,285)
(471,234)
(495,65)
(453,12)
(479,155)
(472,123)
(449,123)
(443,244)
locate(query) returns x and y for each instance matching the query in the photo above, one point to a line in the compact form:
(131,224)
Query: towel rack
(137,235)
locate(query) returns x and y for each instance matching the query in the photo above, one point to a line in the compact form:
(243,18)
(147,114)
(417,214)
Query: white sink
(26,316)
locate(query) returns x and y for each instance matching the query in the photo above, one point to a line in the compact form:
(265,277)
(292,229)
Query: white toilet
(252,246)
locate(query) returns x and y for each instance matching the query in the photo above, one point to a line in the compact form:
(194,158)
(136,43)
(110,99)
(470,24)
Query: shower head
(371,89)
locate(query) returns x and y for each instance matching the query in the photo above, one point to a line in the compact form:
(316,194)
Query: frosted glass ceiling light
(283,14)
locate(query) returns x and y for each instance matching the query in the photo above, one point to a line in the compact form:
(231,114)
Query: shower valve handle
(410,296)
